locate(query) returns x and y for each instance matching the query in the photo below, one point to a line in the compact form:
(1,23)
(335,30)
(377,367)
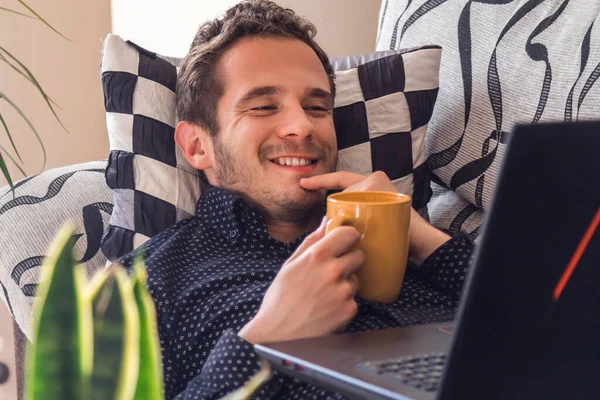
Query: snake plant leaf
(6,174)
(42,19)
(10,137)
(116,339)
(24,75)
(3,150)
(15,12)
(244,393)
(56,366)
(29,76)
(150,381)
(9,101)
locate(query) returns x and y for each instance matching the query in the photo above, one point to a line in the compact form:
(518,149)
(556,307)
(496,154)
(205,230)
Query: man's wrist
(424,241)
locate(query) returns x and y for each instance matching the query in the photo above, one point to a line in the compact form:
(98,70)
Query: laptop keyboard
(423,372)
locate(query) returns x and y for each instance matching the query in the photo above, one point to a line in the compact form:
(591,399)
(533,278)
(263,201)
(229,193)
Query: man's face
(276,126)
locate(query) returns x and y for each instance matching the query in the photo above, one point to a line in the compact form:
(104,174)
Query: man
(255,100)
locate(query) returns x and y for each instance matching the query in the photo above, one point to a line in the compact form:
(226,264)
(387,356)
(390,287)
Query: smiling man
(255,100)
(271,126)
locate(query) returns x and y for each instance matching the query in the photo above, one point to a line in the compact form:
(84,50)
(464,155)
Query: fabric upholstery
(30,220)
(503,62)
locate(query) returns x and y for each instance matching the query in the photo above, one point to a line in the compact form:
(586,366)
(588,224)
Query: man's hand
(312,295)
(424,239)
(349,182)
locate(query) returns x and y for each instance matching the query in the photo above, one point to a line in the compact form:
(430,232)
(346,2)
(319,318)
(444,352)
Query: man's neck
(287,232)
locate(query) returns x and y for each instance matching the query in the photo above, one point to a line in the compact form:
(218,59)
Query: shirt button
(245,213)
(232,234)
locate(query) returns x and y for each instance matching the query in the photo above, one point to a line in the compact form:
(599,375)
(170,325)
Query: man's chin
(298,199)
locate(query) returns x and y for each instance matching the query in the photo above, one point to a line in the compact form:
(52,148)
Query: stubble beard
(295,205)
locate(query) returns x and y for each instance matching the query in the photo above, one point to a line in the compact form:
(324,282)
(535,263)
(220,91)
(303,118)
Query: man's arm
(231,363)
(446,268)
(210,360)
(203,356)
(424,239)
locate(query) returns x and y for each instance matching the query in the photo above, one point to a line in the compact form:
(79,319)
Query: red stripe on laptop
(577,256)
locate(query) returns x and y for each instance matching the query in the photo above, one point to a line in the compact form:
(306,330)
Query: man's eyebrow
(257,92)
(320,94)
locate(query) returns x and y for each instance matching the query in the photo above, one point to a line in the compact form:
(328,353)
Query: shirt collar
(234,218)
(230,215)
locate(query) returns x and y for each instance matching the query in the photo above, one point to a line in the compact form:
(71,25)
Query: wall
(344,26)
(68,72)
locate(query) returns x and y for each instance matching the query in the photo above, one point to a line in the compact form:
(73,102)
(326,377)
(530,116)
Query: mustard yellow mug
(383,219)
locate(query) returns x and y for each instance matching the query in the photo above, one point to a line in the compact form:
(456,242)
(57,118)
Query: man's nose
(296,124)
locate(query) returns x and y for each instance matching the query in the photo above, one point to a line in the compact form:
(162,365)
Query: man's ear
(195,144)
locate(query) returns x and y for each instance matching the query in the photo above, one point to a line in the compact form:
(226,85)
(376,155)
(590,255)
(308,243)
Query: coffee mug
(383,219)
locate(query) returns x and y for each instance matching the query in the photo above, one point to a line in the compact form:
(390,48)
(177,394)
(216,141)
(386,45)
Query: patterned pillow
(383,104)
(504,62)
(30,221)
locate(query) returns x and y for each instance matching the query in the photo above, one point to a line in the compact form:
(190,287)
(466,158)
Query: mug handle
(336,222)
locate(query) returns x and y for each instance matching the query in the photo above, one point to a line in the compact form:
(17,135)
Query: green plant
(14,63)
(97,339)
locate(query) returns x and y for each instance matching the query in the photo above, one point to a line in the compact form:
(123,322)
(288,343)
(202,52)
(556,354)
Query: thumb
(310,240)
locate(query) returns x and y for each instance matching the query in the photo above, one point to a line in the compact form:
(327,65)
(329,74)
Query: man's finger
(311,239)
(339,241)
(350,263)
(340,180)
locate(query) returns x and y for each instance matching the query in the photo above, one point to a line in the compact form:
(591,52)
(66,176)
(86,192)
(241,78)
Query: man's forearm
(447,267)
(424,240)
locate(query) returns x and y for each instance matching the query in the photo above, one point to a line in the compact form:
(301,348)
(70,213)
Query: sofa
(503,62)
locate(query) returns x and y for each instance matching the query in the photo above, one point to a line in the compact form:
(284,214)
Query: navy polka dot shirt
(208,275)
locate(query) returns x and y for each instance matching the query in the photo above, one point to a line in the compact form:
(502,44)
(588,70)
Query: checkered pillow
(383,103)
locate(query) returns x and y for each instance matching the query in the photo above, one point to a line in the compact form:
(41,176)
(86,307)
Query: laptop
(528,324)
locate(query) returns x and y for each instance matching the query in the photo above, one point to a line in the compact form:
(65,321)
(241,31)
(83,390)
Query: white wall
(167,27)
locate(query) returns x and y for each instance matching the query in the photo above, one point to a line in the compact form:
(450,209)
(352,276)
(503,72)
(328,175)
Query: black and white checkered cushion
(153,184)
(383,103)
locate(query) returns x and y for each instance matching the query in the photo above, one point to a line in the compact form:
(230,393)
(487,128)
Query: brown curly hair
(198,85)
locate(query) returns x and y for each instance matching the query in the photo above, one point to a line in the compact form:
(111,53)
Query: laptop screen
(530,320)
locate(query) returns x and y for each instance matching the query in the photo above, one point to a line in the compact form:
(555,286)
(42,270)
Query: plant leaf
(9,101)
(42,19)
(116,339)
(6,174)
(16,12)
(252,385)
(150,381)
(55,359)
(10,137)
(13,160)
(35,83)
(2,58)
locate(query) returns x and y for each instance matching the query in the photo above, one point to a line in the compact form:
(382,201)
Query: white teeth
(292,161)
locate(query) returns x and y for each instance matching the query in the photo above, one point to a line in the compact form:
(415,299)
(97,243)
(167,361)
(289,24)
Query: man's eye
(317,108)
(264,108)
